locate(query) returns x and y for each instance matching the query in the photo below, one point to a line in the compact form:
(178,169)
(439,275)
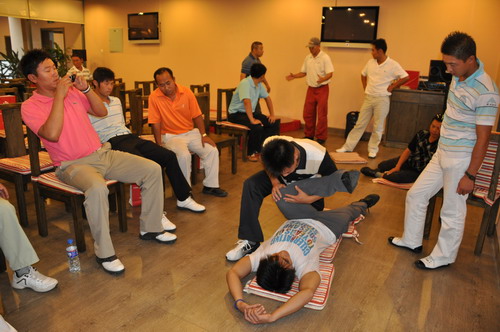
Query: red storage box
(7,99)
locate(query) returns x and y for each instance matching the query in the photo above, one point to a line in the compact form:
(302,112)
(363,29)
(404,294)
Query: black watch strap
(470,176)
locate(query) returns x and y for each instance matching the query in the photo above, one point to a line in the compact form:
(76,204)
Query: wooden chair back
(136,110)
(14,134)
(200,88)
(117,92)
(9,91)
(220,140)
(147,87)
(222,94)
(203,99)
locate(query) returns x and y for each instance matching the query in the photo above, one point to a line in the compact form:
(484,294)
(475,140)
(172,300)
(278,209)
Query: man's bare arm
(398,83)
(52,128)
(364,81)
(200,124)
(157,132)
(307,286)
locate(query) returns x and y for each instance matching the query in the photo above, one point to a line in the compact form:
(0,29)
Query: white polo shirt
(112,124)
(381,76)
(314,66)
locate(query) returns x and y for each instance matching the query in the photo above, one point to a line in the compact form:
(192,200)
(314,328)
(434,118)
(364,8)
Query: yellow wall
(206,40)
(72,34)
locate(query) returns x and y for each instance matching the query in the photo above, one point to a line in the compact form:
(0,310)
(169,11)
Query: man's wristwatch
(470,176)
(86,90)
(204,135)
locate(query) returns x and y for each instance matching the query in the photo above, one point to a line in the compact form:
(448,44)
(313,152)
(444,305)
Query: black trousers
(165,158)
(255,189)
(258,133)
(407,174)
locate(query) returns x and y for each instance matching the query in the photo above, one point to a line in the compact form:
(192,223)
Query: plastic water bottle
(73,260)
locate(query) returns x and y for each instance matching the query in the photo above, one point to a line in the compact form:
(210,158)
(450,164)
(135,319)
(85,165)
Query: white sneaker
(342,149)
(167,224)
(372,155)
(34,280)
(243,248)
(5,326)
(190,205)
(166,237)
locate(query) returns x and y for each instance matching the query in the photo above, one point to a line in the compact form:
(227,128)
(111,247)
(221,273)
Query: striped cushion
(22,166)
(51,180)
(347,158)
(232,125)
(326,270)
(405,186)
(483,176)
(319,299)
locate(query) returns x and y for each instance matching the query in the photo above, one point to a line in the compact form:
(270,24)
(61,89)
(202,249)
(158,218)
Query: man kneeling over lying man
(293,250)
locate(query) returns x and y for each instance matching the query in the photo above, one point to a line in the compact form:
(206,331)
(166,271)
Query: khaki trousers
(88,174)
(14,243)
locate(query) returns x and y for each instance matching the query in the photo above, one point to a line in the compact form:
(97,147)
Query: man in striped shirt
(470,114)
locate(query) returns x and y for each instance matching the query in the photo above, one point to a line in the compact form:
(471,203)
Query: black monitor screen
(143,26)
(349,24)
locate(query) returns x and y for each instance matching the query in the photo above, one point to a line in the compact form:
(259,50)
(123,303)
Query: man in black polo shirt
(286,160)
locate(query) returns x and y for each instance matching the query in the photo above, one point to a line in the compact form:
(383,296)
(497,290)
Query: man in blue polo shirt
(470,114)
(242,110)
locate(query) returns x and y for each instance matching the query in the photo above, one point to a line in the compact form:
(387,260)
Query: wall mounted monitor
(143,28)
(349,26)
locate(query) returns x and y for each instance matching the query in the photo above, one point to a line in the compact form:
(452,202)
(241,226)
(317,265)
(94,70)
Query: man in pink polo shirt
(178,126)
(57,113)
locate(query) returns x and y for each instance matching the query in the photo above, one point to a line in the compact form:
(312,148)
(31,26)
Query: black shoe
(419,264)
(306,137)
(370,200)
(369,172)
(214,191)
(350,180)
(321,141)
(416,250)
(111,264)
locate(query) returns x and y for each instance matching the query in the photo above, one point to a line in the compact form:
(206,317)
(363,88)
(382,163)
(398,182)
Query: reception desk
(411,111)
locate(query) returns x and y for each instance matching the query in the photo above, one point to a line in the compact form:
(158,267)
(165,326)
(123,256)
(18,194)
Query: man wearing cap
(318,69)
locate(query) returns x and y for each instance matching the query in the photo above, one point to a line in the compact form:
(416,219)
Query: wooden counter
(411,111)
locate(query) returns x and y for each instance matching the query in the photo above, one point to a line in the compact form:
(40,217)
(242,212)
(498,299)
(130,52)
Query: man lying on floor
(293,250)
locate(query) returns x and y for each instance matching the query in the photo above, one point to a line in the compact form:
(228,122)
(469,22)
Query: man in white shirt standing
(78,68)
(318,69)
(380,76)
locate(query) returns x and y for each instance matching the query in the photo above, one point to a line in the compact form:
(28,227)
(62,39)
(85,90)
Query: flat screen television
(143,28)
(349,26)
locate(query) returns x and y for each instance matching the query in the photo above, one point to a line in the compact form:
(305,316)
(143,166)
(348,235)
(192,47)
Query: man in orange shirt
(178,126)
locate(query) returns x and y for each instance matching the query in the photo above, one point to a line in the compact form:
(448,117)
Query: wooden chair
(49,186)
(134,116)
(147,87)
(484,195)
(220,140)
(200,88)
(15,168)
(225,127)
(118,93)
